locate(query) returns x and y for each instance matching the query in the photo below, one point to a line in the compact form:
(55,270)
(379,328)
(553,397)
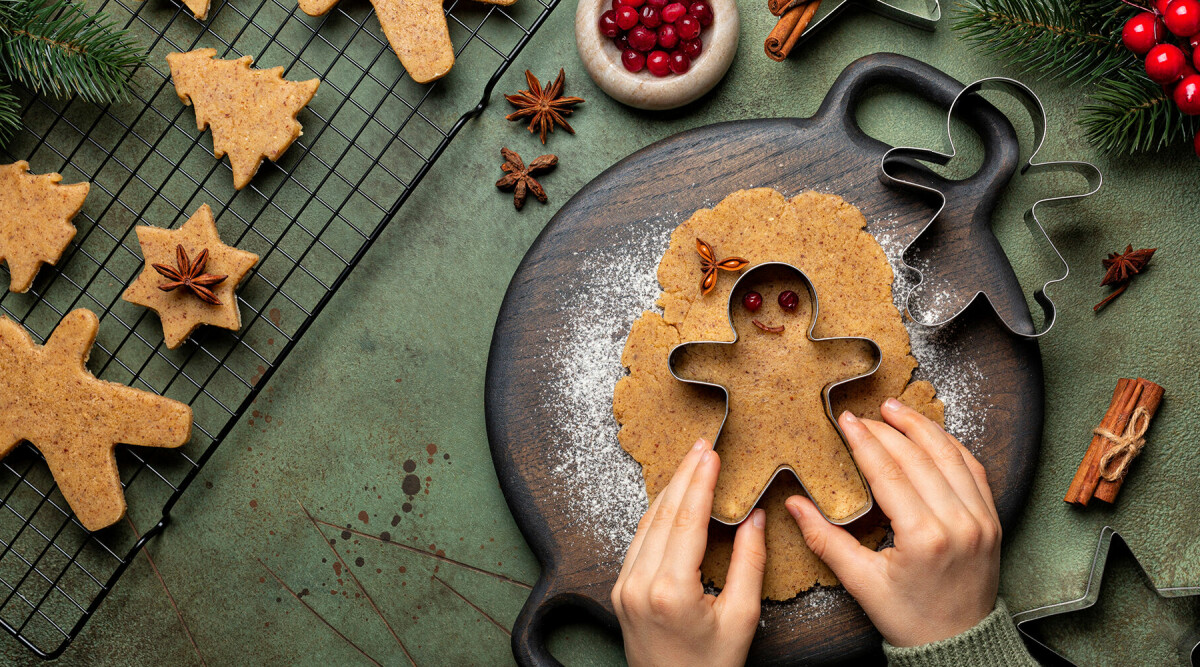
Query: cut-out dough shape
(49,398)
(182,312)
(416,30)
(252,111)
(775,382)
(35,220)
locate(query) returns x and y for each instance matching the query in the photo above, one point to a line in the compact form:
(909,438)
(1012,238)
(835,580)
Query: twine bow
(1125,446)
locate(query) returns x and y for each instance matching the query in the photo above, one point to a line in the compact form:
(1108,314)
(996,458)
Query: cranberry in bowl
(656,54)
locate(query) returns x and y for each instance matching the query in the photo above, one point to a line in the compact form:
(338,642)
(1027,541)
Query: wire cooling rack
(370,136)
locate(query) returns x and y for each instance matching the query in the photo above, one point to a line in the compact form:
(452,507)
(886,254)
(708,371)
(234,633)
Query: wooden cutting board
(694,170)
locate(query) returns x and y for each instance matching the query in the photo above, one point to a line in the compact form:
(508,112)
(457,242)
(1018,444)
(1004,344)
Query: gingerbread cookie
(49,398)
(660,417)
(190,277)
(35,220)
(252,112)
(416,30)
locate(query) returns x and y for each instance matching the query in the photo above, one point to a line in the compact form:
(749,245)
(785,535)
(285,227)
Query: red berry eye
(789,300)
(752,301)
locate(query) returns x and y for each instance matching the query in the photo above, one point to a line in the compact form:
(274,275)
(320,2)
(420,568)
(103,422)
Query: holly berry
(633,60)
(658,62)
(642,38)
(608,24)
(1183,17)
(673,11)
(689,28)
(679,62)
(1160,7)
(789,300)
(703,13)
(1164,64)
(1187,95)
(752,301)
(1142,32)
(692,48)
(627,17)
(667,37)
(651,17)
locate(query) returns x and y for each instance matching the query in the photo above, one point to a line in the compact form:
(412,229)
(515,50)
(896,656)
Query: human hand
(666,618)
(941,577)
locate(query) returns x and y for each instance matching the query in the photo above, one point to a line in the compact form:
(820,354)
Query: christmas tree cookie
(35,220)
(252,112)
(416,29)
(190,277)
(49,398)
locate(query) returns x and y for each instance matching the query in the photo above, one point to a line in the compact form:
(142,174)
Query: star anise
(547,107)
(709,265)
(190,275)
(519,178)
(1120,268)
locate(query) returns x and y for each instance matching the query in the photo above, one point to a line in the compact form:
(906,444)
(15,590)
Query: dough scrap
(661,417)
(35,220)
(252,112)
(49,398)
(182,312)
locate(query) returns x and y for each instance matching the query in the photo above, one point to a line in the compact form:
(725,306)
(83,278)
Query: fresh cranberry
(642,38)
(692,48)
(633,61)
(633,3)
(679,62)
(703,13)
(608,24)
(658,63)
(651,17)
(667,37)
(1183,17)
(688,27)
(657,4)
(622,41)
(789,300)
(1142,32)
(673,11)
(627,17)
(1164,64)
(752,301)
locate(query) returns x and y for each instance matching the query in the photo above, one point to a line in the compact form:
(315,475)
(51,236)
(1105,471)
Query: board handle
(530,631)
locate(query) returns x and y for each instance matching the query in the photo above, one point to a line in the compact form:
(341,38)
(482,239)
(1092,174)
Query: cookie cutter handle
(878,69)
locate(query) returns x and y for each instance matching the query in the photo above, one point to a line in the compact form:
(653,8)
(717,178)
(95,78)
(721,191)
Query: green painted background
(299,544)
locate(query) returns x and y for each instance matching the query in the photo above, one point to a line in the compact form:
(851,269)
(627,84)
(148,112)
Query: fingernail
(758,518)
(849,417)
(707,457)
(700,444)
(793,508)
(892,404)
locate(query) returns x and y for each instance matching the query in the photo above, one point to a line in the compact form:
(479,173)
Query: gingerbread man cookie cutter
(876,353)
(907,155)
(1189,645)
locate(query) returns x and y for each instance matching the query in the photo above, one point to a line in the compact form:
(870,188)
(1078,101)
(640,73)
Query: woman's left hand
(666,618)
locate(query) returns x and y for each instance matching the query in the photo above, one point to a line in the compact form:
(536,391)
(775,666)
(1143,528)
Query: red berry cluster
(662,36)
(1167,64)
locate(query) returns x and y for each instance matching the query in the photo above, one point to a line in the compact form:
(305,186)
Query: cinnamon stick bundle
(783,37)
(1133,401)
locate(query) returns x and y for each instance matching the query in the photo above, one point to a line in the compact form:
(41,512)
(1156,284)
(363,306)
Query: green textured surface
(262,561)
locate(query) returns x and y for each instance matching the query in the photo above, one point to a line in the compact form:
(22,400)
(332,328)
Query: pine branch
(54,46)
(1132,114)
(10,113)
(1077,40)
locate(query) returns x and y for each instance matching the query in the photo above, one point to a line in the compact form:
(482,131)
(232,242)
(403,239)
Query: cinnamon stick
(778,7)
(1087,476)
(787,31)
(1151,398)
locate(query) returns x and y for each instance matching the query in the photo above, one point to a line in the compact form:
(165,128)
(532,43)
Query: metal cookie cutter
(901,159)
(876,352)
(1190,646)
(885,9)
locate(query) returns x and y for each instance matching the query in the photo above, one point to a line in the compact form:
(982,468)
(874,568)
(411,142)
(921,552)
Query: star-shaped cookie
(182,311)
(774,377)
(35,220)
(49,398)
(416,29)
(252,112)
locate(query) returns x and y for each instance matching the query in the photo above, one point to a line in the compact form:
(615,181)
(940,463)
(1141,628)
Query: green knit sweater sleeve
(994,641)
